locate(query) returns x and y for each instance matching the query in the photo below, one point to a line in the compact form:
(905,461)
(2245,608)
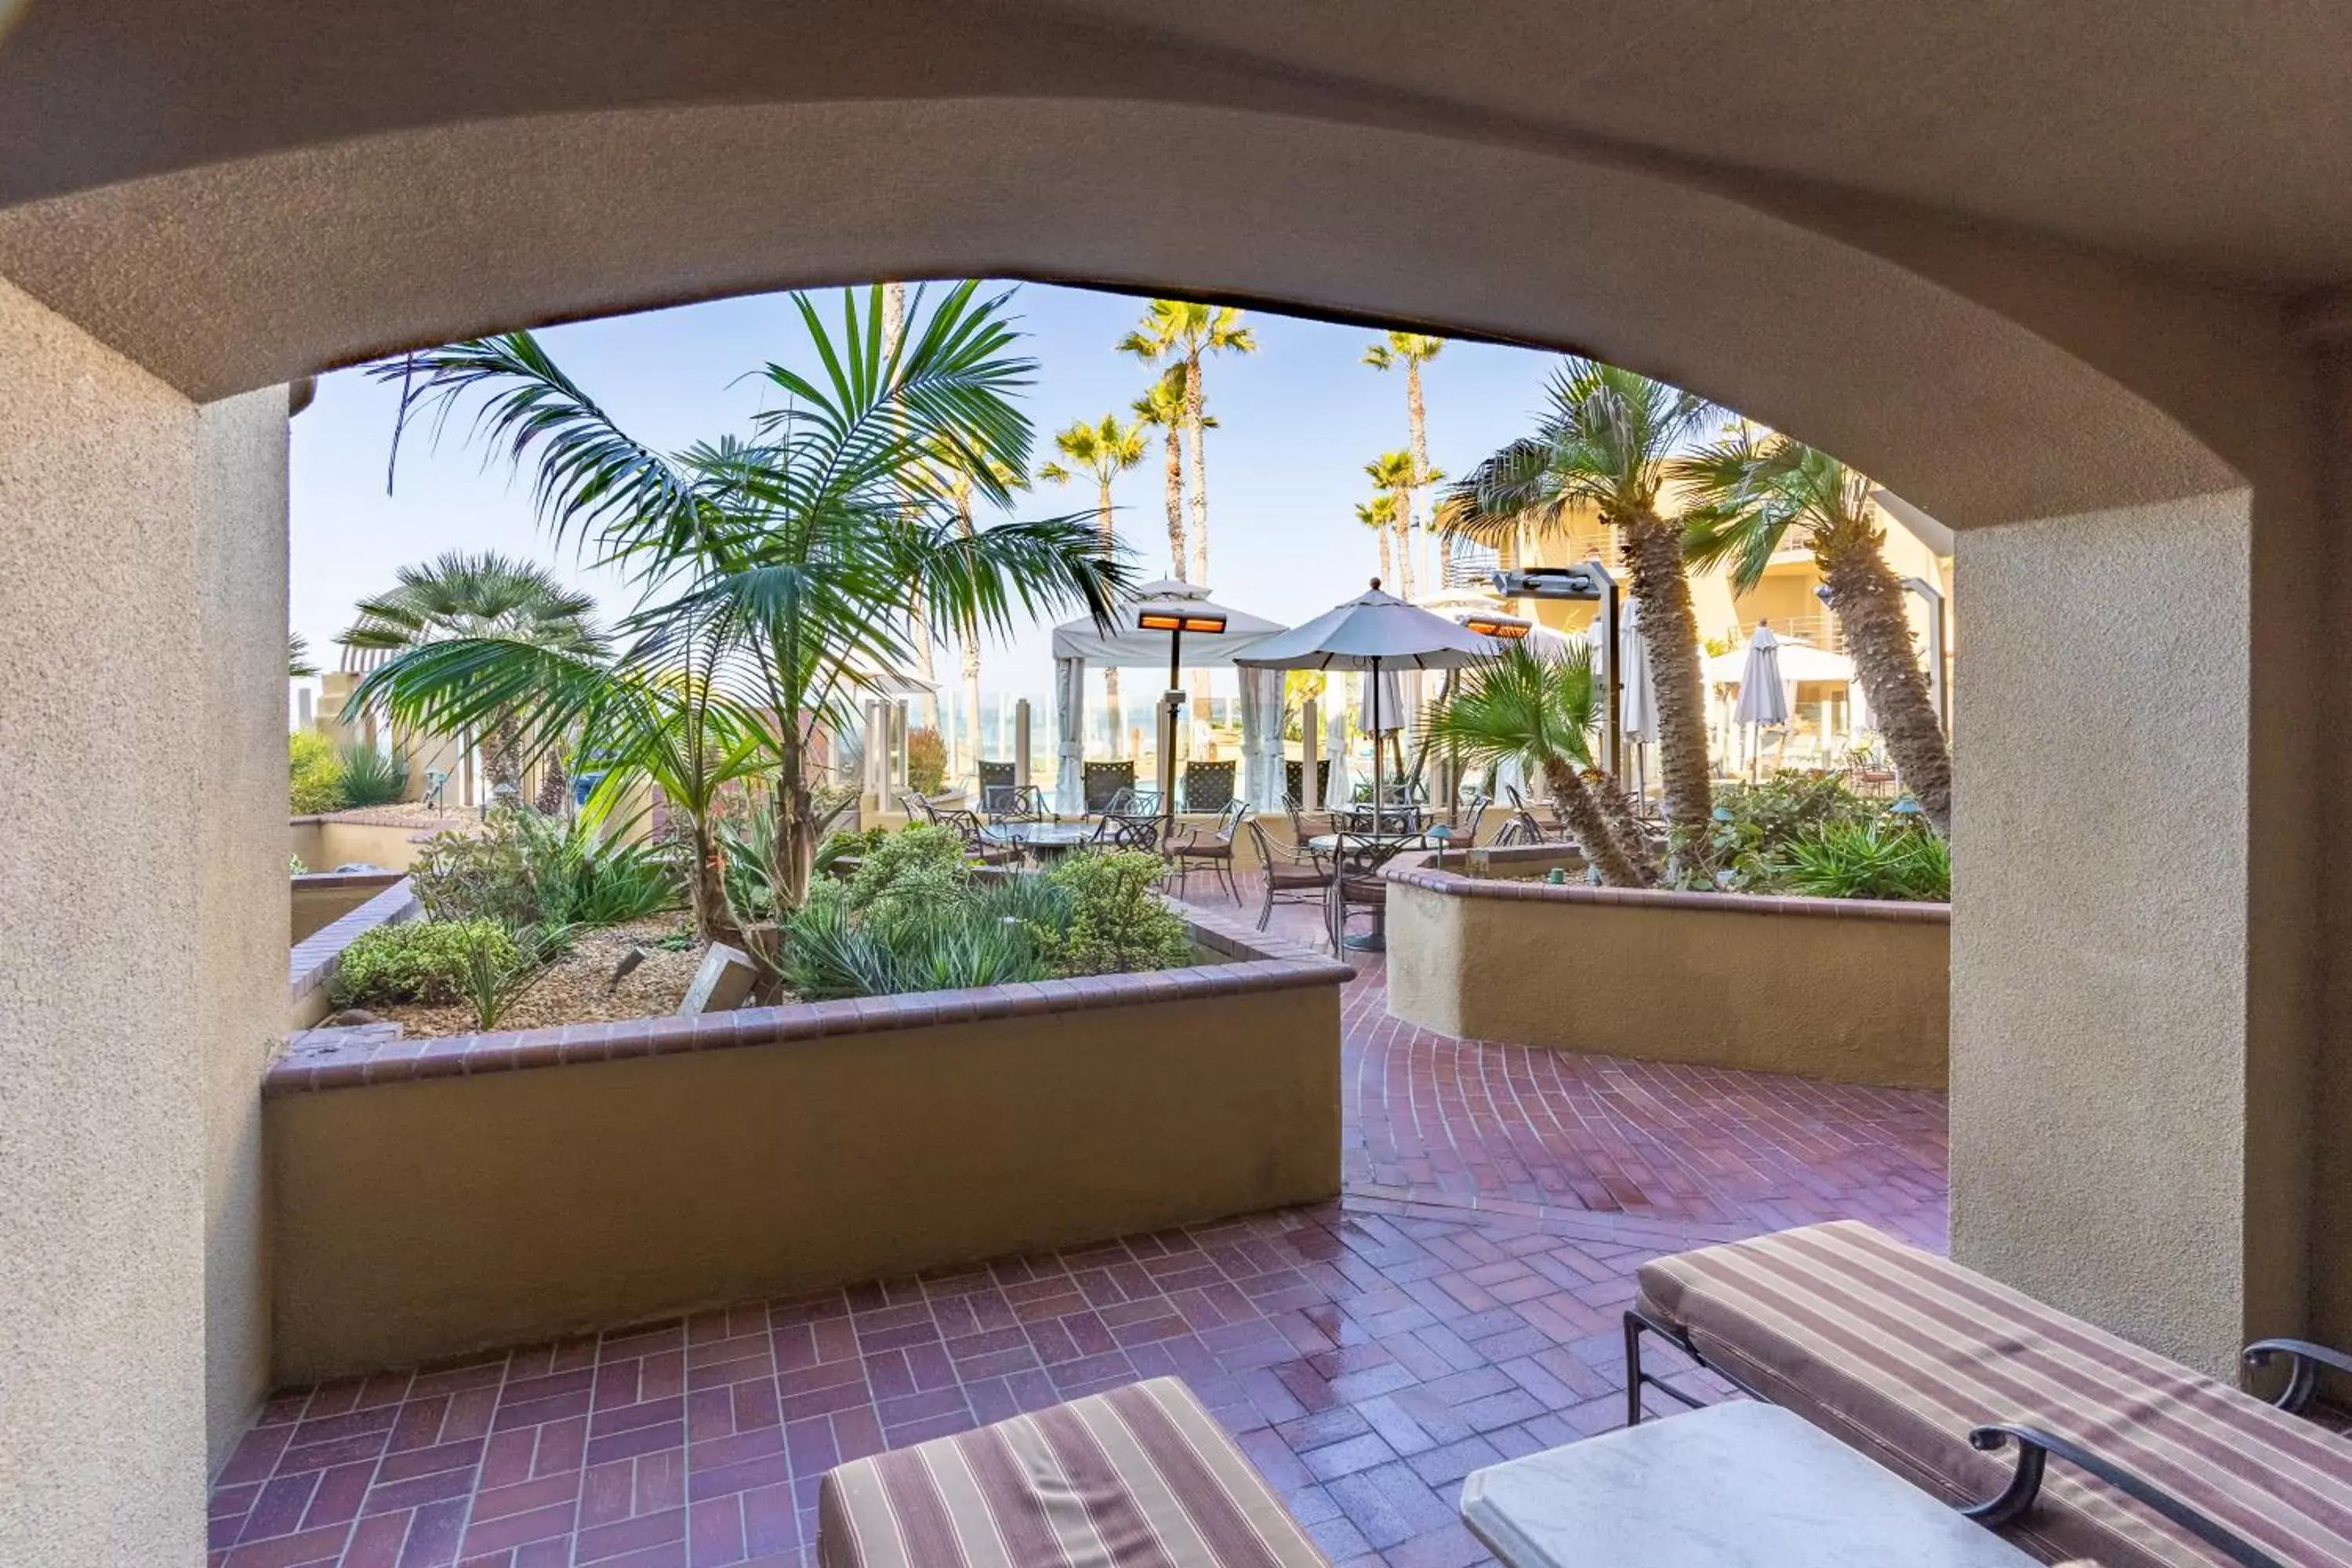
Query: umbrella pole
(1378,816)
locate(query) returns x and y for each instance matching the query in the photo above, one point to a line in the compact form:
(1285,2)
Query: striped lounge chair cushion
(1899,1353)
(1141,1477)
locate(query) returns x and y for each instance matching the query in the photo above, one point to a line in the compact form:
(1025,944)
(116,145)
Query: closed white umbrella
(1369,632)
(1637,712)
(1762,699)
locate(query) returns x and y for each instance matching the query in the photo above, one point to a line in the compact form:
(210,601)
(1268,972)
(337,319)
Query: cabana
(1123,644)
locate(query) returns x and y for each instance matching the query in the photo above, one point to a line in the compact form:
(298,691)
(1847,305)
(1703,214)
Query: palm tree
(1186,332)
(1162,407)
(1377,514)
(460,597)
(299,664)
(781,574)
(952,473)
(1754,490)
(1542,712)
(1396,474)
(1411,350)
(893,332)
(1608,441)
(1102,452)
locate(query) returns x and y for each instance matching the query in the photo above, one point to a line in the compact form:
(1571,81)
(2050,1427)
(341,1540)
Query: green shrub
(909,870)
(1879,860)
(421,961)
(1753,824)
(1116,923)
(926,762)
(316,775)
(372,777)
(847,843)
(524,869)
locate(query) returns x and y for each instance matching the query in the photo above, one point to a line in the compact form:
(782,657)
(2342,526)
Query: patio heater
(1504,628)
(1175,623)
(1591,580)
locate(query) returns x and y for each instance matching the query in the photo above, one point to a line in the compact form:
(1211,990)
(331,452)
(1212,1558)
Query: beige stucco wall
(420,1219)
(133,1008)
(1855,1000)
(324,844)
(2130,1034)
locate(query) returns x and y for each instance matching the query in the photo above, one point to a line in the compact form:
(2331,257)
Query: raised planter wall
(392,842)
(360,901)
(434,1197)
(1844,989)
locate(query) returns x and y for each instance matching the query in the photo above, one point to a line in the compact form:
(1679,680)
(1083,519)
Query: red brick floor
(1459,1305)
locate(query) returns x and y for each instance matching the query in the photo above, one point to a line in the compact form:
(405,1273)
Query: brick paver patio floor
(1458,1305)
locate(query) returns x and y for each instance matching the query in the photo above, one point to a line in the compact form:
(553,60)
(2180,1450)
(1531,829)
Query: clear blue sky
(1299,420)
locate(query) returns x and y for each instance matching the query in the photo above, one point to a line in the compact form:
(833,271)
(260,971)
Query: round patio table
(1043,839)
(1377,939)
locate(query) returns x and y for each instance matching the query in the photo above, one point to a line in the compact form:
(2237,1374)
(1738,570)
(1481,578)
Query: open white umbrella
(1373,632)
(1762,699)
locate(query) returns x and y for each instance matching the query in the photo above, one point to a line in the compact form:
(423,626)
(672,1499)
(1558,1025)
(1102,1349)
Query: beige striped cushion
(1141,1477)
(1900,1353)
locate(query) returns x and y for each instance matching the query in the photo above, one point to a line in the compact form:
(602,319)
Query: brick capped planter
(1849,989)
(436,1197)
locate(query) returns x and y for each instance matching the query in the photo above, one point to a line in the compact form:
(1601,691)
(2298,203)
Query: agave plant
(782,574)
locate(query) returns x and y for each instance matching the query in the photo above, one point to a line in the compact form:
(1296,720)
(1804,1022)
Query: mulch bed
(579,988)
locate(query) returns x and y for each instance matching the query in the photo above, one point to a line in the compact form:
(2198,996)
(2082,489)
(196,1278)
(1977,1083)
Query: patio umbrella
(1762,699)
(1371,632)
(1638,714)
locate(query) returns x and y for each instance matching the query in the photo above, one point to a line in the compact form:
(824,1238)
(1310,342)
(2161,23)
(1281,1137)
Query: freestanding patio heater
(1175,621)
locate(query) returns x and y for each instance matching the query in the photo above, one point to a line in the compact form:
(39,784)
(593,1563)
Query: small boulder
(349,1018)
(722,983)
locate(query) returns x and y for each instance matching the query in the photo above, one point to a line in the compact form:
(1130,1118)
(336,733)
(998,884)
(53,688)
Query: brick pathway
(1459,1305)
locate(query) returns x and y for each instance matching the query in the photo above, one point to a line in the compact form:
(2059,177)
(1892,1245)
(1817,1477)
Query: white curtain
(1338,790)
(1069,736)
(1262,781)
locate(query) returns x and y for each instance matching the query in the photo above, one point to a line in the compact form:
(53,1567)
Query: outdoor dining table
(1043,839)
(1377,939)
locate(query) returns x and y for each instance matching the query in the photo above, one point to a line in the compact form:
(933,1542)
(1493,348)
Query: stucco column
(144,895)
(2134,1027)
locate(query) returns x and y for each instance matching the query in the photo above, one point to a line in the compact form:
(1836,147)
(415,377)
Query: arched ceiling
(1895,264)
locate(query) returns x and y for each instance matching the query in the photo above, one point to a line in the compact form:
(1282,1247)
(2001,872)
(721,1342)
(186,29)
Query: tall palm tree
(461,598)
(1409,352)
(1608,440)
(1754,490)
(1162,407)
(1186,332)
(951,471)
(1541,711)
(893,332)
(1396,474)
(782,572)
(299,663)
(1379,514)
(1101,452)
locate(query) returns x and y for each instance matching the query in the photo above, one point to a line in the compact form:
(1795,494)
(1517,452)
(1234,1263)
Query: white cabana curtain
(1340,789)
(1262,780)
(1069,736)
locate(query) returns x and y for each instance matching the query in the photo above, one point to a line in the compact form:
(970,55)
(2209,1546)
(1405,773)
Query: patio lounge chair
(1293,778)
(966,825)
(1141,1477)
(1127,830)
(1356,881)
(1939,1373)
(993,776)
(1294,874)
(1212,852)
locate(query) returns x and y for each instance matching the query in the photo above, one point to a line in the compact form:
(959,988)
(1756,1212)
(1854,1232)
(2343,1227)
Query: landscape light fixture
(1175,623)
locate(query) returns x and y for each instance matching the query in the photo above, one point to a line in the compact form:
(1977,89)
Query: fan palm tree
(1409,352)
(1397,475)
(780,573)
(1184,332)
(1162,407)
(1757,488)
(460,597)
(1542,712)
(893,332)
(1377,514)
(1101,452)
(1608,441)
